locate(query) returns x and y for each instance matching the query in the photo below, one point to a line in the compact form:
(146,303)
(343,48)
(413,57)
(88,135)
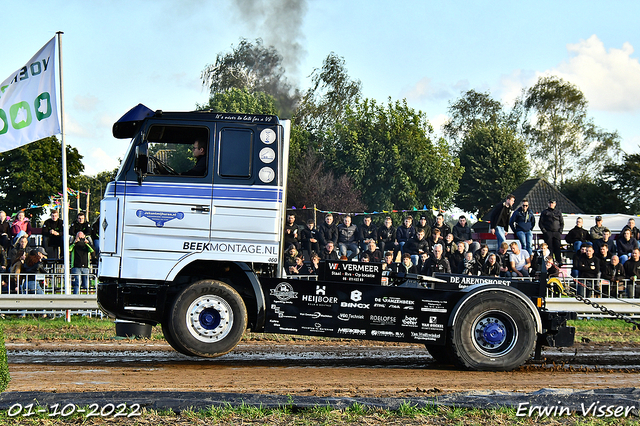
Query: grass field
(85,328)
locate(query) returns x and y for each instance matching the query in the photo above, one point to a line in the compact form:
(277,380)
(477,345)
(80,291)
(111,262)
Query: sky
(117,54)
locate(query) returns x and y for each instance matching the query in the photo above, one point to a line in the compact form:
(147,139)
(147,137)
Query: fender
(476,289)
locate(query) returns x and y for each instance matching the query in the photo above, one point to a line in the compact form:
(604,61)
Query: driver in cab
(199,153)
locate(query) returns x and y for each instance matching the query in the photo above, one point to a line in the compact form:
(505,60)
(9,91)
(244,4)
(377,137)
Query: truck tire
(172,340)
(494,332)
(442,354)
(208,319)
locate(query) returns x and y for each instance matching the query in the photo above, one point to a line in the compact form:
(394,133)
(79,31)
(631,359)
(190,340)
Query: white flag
(28,109)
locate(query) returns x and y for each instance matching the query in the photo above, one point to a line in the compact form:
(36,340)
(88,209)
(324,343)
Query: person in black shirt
(52,231)
(199,152)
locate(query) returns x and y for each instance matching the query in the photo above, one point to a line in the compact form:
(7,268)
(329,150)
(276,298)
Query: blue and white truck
(201,254)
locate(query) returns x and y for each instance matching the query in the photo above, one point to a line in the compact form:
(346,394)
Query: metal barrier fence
(46,294)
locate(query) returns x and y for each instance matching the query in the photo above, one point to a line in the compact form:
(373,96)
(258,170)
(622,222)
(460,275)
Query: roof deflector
(129,124)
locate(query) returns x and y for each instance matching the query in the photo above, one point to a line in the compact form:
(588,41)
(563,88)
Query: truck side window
(178,150)
(236,153)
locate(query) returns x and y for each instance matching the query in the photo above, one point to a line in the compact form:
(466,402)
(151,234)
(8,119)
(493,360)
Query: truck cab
(199,195)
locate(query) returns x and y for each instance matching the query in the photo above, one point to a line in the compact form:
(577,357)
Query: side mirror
(142,161)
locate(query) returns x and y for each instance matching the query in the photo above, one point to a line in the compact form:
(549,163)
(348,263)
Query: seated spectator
(576,259)
(577,235)
(470,266)
(423,263)
(597,232)
(291,231)
(437,262)
(32,266)
(604,256)
(462,234)
(5,231)
(502,258)
(552,269)
(348,238)
(522,222)
(588,268)
(481,256)
(404,233)
(449,245)
(298,268)
(328,231)
(329,252)
(631,226)
(424,224)
(416,245)
(632,266)
(20,226)
(4,260)
(491,268)
(434,239)
(387,236)
(309,238)
(365,258)
(407,266)
(443,227)
(520,262)
(625,245)
(21,245)
(368,231)
(614,273)
(387,263)
(372,252)
(290,256)
(456,260)
(606,239)
(52,232)
(313,268)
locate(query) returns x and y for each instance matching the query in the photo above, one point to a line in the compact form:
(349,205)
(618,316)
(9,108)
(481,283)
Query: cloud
(426,89)
(609,79)
(100,159)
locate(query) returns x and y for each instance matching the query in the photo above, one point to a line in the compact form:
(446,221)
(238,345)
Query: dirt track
(329,369)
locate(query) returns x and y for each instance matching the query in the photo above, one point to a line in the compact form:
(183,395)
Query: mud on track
(336,369)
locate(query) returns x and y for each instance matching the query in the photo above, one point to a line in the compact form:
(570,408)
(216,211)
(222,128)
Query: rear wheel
(493,332)
(207,319)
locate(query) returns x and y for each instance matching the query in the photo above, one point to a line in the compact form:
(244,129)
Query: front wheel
(493,332)
(207,319)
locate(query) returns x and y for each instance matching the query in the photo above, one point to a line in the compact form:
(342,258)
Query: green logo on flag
(20,115)
(5,124)
(43,106)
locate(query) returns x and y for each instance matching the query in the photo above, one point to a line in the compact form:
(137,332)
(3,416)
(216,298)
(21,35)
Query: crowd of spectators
(428,248)
(23,258)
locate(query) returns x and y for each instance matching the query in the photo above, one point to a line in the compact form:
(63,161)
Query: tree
(471,110)
(331,93)
(625,180)
(95,185)
(594,195)
(495,163)
(255,68)
(33,173)
(563,139)
(389,154)
(311,184)
(241,101)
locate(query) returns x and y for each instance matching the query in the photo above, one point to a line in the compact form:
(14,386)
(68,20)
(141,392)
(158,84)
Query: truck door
(170,207)
(248,192)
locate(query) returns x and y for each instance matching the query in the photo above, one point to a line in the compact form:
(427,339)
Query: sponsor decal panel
(284,292)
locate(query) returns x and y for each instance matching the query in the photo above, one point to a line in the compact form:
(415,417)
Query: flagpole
(65,194)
